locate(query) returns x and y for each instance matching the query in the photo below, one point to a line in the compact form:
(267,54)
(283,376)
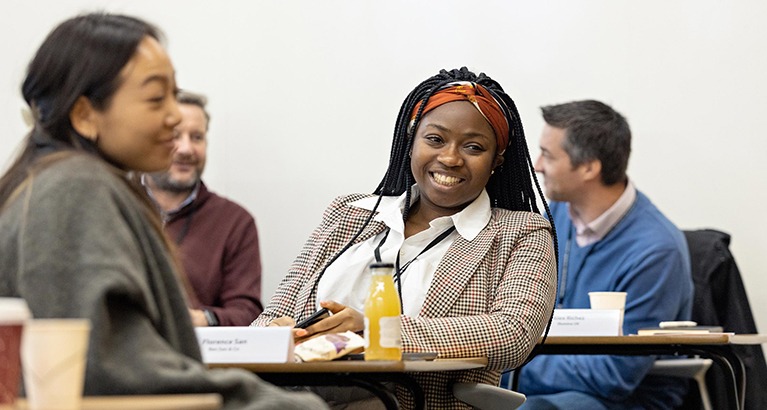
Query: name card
(586,322)
(245,344)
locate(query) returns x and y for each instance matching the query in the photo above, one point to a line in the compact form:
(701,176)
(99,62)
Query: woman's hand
(283,321)
(344,318)
(287,321)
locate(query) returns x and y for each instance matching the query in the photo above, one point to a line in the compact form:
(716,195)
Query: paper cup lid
(13,310)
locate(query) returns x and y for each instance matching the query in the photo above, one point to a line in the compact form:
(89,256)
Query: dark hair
(510,187)
(190,98)
(83,56)
(593,130)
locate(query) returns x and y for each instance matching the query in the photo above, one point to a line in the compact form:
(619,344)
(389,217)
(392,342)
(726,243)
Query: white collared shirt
(586,234)
(348,278)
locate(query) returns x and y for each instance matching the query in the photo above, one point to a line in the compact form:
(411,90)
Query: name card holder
(586,322)
(245,344)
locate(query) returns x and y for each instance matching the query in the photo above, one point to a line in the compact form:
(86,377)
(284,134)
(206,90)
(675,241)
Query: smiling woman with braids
(460,185)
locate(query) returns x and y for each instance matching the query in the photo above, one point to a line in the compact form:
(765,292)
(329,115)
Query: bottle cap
(379,265)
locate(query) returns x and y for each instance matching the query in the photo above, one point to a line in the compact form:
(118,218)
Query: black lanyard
(563,274)
(399,270)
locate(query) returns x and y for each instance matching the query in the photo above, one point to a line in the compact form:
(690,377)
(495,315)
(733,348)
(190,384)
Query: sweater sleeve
(241,274)
(86,250)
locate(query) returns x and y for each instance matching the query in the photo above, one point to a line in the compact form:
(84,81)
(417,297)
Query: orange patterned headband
(482,100)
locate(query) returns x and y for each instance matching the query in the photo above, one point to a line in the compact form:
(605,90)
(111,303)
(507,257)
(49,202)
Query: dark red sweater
(218,246)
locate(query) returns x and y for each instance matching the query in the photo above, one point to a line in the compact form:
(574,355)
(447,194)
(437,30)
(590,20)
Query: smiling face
(191,148)
(135,130)
(454,153)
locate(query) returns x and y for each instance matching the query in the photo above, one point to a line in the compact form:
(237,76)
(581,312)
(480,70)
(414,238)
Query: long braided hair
(510,186)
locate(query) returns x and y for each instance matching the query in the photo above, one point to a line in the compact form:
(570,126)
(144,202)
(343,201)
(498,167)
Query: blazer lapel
(455,271)
(373,229)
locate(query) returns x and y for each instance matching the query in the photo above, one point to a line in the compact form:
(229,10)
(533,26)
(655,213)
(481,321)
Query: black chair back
(720,299)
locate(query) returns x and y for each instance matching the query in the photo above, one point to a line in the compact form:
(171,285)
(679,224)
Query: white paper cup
(53,355)
(13,314)
(609,300)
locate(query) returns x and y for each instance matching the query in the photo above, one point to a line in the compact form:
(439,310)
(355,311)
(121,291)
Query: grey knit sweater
(75,243)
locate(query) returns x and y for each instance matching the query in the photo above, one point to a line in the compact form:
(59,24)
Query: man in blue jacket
(611,238)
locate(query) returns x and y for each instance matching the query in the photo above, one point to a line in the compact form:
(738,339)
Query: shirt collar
(468,222)
(167,215)
(586,234)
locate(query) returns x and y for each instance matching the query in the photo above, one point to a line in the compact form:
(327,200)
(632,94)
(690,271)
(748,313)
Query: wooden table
(713,346)
(368,375)
(154,402)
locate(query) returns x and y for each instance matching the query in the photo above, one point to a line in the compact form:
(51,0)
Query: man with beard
(217,238)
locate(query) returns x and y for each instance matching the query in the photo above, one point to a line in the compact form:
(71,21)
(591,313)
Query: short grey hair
(188,97)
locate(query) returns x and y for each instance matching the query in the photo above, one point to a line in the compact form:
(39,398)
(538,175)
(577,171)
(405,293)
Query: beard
(165,182)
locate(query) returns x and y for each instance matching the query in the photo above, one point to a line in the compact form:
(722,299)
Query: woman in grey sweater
(78,239)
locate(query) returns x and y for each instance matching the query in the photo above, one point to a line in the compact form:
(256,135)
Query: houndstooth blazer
(490,297)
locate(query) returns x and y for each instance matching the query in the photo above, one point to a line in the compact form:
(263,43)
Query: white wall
(304,94)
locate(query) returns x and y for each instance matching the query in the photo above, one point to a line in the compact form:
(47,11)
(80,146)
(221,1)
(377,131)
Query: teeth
(445,180)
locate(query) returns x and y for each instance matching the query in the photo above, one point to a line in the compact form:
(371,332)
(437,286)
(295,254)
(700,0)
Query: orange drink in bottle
(383,337)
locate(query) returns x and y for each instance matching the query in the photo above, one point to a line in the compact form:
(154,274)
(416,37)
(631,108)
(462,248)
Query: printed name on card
(245,344)
(586,322)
